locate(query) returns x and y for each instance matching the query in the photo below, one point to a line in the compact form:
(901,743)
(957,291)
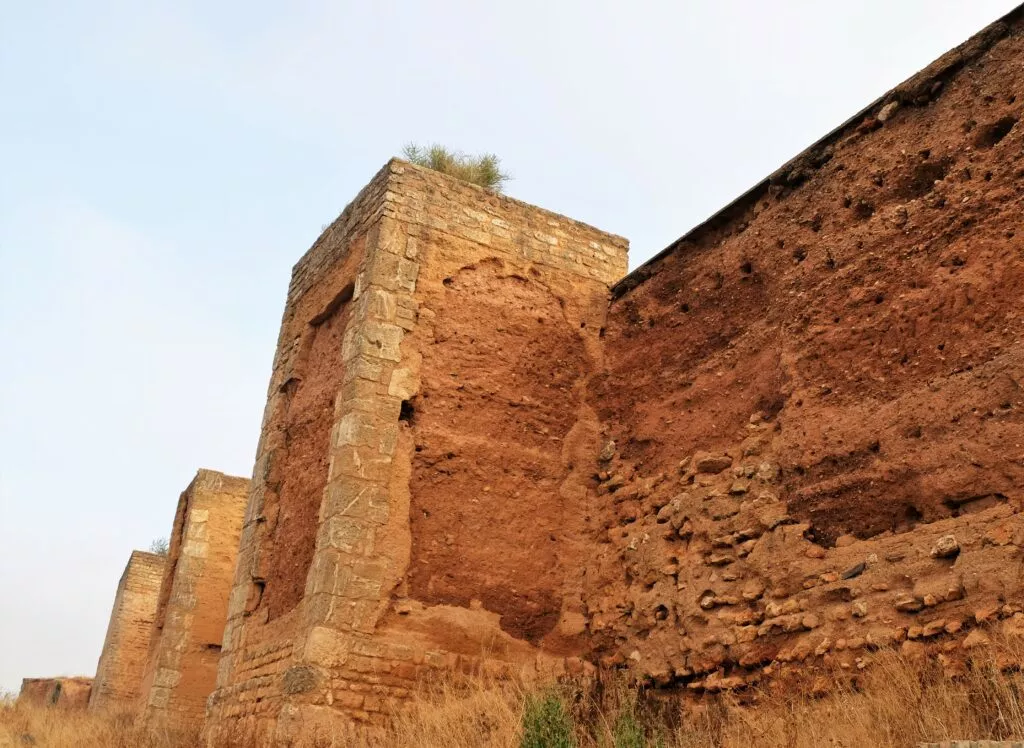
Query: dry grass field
(896,702)
(41,727)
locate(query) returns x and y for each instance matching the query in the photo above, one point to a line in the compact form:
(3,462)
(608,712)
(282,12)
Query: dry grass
(41,727)
(898,703)
(484,170)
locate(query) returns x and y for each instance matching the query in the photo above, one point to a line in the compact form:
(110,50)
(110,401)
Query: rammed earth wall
(62,693)
(814,403)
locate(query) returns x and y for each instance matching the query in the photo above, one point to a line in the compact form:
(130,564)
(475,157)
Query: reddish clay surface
(496,405)
(303,422)
(850,335)
(63,693)
(798,437)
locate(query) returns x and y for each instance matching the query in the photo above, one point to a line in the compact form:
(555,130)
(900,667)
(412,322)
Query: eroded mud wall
(496,406)
(189,623)
(63,693)
(509,319)
(122,662)
(816,401)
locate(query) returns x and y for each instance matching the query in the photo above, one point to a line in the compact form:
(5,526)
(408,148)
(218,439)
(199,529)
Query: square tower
(122,663)
(193,603)
(435,328)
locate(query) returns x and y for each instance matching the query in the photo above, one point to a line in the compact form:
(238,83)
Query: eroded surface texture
(810,394)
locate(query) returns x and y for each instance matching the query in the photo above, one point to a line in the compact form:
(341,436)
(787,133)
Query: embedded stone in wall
(189,624)
(122,663)
(63,693)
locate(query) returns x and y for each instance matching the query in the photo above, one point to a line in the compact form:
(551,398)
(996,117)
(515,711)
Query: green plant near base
(628,732)
(546,723)
(484,170)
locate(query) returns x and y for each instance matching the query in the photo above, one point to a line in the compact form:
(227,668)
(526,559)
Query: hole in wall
(969,504)
(921,179)
(863,210)
(407,411)
(990,134)
(841,594)
(345,294)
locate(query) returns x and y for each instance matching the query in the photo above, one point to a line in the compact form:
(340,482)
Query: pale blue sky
(163,164)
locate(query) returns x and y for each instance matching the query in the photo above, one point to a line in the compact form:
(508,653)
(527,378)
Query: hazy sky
(163,164)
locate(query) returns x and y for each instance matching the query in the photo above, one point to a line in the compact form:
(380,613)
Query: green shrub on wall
(484,170)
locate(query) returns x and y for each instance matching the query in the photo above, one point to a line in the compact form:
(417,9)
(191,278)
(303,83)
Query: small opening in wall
(255,596)
(213,647)
(334,305)
(407,411)
(992,133)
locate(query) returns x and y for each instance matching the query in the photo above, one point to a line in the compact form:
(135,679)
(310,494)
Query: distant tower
(123,661)
(189,624)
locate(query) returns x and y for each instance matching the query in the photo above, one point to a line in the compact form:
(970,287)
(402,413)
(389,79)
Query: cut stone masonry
(122,662)
(189,622)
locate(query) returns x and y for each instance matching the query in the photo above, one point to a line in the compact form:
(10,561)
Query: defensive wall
(813,403)
(63,693)
(791,439)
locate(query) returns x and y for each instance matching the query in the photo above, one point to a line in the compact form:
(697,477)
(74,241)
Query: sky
(164,164)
